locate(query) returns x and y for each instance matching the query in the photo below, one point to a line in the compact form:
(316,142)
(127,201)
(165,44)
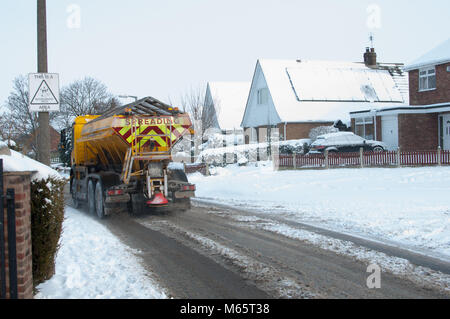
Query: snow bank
(409,206)
(17,162)
(93,263)
(245,151)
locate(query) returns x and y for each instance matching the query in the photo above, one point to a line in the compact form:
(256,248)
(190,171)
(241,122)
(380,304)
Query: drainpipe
(375,125)
(285,137)
(374,114)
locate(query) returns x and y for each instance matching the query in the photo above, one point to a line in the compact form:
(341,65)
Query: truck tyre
(91,197)
(99,200)
(75,201)
(137,204)
(181,204)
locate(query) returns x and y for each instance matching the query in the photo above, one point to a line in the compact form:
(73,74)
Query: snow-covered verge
(93,263)
(406,206)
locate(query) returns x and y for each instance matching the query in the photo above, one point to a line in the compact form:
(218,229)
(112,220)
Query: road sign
(43,92)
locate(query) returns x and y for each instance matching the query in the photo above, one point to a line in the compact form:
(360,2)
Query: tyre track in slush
(323,272)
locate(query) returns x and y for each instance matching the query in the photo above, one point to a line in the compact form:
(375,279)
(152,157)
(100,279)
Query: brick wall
(20,182)
(296,131)
(440,95)
(418,131)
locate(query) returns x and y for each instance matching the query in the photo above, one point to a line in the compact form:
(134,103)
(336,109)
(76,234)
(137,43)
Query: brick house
(295,96)
(425,123)
(27,142)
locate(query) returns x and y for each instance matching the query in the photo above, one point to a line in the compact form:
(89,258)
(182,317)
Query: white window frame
(425,74)
(262,96)
(363,121)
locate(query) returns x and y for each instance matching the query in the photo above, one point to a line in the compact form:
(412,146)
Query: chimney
(370,58)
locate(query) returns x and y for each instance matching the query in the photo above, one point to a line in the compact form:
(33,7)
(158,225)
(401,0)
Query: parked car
(345,142)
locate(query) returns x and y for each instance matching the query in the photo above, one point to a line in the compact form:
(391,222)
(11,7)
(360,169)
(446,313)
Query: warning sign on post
(43,92)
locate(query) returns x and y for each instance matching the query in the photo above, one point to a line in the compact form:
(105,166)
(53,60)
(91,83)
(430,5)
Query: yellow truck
(121,160)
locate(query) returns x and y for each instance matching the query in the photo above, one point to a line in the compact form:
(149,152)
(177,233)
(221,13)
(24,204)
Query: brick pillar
(20,181)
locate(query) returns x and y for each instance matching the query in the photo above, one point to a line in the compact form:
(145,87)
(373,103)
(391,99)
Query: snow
(244,151)
(215,139)
(93,263)
(17,162)
(333,81)
(291,82)
(175,166)
(229,101)
(395,265)
(438,55)
(407,206)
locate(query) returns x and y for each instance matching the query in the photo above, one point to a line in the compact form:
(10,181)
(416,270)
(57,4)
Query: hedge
(47,216)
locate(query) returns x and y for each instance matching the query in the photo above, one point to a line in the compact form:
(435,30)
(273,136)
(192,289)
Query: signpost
(43,137)
(44,92)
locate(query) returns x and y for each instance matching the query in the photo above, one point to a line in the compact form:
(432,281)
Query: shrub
(47,215)
(320,130)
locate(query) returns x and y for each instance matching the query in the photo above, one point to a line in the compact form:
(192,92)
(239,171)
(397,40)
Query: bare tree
(86,96)
(7,128)
(201,108)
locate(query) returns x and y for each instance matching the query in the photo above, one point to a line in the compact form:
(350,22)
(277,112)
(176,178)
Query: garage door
(389,131)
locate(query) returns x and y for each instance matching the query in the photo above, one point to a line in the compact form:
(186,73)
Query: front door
(444,121)
(389,131)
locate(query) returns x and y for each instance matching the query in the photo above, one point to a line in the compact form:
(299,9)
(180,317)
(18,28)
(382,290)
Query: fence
(364,159)
(196,167)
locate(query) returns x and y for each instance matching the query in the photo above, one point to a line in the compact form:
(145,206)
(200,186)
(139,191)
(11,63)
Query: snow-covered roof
(438,55)
(327,91)
(229,99)
(342,82)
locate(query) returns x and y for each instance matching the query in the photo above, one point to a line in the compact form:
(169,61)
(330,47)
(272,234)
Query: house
(295,96)
(28,142)
(224,105)
(424,124)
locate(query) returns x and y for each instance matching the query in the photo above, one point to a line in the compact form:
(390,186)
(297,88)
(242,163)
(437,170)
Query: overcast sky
(163,48)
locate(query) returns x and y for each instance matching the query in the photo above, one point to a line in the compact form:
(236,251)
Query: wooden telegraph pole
(43,138)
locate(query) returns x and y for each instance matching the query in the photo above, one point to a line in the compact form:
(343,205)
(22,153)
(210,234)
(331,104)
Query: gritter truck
(121,160)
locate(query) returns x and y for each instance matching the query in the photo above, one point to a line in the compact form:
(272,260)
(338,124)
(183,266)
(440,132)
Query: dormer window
(427,79)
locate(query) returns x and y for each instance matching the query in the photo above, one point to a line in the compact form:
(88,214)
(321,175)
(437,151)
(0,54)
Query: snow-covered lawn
(407,206)
(93,263)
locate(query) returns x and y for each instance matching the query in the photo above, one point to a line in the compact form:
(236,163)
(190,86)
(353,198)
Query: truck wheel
(183,204)
(137,204)
(76,203)
(99,200)
(91,197)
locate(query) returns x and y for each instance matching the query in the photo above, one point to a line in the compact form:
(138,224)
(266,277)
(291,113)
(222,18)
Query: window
(427,79)
(364,127)
(263,96)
